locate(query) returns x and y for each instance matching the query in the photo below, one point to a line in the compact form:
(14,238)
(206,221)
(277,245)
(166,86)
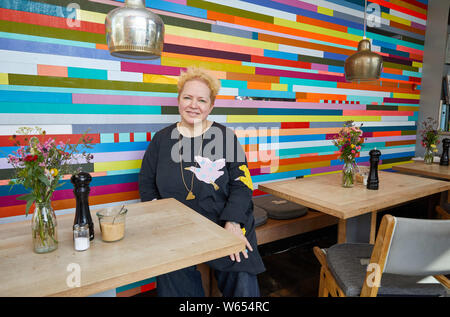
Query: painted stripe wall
(280,63)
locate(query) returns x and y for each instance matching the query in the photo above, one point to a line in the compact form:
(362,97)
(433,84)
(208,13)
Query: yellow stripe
(417,64)
(390,165)
(286,118)
(391,17)
(160,79)
(316,29)
(294,167)
(4,79)
(90,16)
(280,87)
(180,62)
(333,172)
(117,165)
(407,96)
(326,11)
(408,108)
(203,35)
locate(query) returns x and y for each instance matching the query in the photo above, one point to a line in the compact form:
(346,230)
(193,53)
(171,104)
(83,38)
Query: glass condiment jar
(81,237)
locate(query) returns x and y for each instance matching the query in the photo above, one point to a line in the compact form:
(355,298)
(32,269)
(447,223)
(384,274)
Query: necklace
(190,194)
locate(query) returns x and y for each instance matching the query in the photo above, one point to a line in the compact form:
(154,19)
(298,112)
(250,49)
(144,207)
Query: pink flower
(353,151)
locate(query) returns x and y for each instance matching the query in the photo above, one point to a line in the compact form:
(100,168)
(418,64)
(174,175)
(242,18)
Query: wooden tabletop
(420,168)
(325,193)
(161,236)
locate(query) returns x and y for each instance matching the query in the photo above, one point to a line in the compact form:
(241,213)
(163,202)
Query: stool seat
(260,216)
(279,208)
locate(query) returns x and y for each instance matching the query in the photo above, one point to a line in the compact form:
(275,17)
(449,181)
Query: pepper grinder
(81,190)
(372,180)
(444,157)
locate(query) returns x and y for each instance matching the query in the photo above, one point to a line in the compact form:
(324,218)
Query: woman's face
(194,102)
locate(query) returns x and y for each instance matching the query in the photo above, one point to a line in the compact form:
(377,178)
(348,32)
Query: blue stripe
(135,284)
(299,112)
(275,176)
(65,50)
(281,139)
(394,76)
(391,46)
(34,38)
(32,97)
(394,52)
(177,8)
(305,150)
(335,56)
(281,55)
(35,7)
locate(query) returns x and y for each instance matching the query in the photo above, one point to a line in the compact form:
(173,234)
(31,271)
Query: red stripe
(51,21)
(116,137)
(294,125)
(278,61)
(66,138)
(401,9)
(148,287)
(131,137)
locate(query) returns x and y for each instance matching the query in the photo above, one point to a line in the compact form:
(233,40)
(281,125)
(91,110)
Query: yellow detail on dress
(246,179)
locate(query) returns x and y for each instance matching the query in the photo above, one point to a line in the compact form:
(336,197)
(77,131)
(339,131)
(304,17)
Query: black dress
(221,182)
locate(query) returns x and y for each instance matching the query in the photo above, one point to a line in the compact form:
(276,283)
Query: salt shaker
(372,180)
(444,157)
(81,237)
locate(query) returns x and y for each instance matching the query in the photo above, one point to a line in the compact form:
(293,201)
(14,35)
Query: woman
(201,164)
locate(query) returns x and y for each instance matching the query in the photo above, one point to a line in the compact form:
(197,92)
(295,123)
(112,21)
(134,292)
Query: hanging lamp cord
(365,12)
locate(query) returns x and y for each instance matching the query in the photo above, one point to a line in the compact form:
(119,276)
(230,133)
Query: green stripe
(33,80)
(78,72)
(25,37)
(25,107)
(383,108)
(400,66)
(229,10)
(319,60)
(186,23)
(409,132)
(397,159)
(38,30)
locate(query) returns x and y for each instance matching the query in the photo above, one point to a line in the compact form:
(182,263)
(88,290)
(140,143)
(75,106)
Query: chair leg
(323,291)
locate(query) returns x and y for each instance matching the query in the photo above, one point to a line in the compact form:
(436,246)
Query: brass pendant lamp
(134,32)
(364,65)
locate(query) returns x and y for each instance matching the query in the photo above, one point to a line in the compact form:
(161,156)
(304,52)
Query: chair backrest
(419,247)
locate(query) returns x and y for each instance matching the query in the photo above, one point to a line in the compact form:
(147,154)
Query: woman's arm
(147,175)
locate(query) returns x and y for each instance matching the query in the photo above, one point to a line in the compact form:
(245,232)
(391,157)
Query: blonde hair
(196,73)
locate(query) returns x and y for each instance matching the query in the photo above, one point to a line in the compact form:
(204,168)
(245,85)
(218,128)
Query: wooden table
(355,207)
(420,168)
(161,236)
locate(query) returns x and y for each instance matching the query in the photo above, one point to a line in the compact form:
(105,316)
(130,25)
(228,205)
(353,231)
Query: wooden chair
(442,213)
(406,251)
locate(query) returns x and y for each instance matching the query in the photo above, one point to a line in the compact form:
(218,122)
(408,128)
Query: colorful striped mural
(280,62)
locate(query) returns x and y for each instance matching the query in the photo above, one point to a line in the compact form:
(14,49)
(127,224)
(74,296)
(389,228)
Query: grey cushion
(279,208)
(260,216)
(348,263)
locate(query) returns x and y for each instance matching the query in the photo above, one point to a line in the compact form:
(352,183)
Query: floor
(292,270)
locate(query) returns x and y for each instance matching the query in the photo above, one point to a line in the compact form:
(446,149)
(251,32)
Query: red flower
(30,158)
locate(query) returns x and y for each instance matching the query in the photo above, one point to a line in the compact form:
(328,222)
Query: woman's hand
(235,228)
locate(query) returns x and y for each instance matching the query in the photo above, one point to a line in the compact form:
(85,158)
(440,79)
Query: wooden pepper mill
(81,190)
(372,180)
(444,156)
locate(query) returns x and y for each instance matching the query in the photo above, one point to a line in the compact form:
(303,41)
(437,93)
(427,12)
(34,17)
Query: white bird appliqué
(208,171)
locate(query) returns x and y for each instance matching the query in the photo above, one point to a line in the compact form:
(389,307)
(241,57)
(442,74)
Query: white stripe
(339,91)
(125,76)
(384,124)
(299,50)
(257,9)
(58,60)
(226,91)
(18,68)
(49,129)
(392,150)
(394,118)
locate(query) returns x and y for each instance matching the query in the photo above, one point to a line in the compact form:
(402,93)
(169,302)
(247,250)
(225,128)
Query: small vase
(429,156)
(45,237)
(348,174)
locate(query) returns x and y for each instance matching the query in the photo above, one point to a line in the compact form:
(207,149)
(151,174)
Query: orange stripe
(212,15)
(259,85)
(393,71)
(248,77)
(386,133)
(390,87)
(49,70)
(224,97)
(101,46)
(323,24)
(406,27)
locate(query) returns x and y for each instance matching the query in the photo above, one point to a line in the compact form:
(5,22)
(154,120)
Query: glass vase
(348,174)
(44,233)
(429,156)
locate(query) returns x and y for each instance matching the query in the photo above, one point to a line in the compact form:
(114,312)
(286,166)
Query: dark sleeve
(147,174)
(240,187)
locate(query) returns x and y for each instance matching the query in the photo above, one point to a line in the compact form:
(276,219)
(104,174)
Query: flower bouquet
(39,166)
(430,139)
(349,142)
